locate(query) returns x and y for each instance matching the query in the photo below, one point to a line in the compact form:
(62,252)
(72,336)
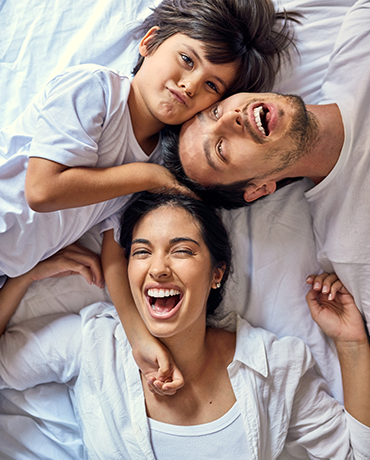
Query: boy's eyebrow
(201,60)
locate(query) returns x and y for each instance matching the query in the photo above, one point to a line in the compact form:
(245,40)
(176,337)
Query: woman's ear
(145,41)
(217,277)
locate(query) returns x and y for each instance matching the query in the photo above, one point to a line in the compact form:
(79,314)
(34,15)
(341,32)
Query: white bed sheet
(273,240)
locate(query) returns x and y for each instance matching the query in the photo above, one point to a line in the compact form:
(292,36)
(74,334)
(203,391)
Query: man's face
(243,137)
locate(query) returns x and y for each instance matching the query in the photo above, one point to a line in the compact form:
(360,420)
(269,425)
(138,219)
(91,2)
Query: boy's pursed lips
(178,96)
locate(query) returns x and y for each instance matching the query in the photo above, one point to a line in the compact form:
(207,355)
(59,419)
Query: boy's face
(176,81)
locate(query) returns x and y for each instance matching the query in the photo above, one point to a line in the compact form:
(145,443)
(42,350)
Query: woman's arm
(152,357)
(51,186)
(72,260)
(334,310)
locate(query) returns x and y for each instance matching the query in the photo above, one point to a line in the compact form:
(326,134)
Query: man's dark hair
(207,218)
(229,196)
(248,32)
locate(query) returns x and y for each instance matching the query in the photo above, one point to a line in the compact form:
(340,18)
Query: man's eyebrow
(190,48)
(180,239)
(207,152)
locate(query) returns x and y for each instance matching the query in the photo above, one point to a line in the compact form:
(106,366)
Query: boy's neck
(146,127)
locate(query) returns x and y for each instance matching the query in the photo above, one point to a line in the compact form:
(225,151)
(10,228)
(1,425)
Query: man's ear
(145,41)
(253,193)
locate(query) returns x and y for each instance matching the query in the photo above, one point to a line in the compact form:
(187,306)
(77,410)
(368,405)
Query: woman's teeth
(258,111)
(157,293)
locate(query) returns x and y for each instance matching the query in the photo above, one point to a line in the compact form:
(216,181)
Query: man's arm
(334,310)
(150,354)
(51,186)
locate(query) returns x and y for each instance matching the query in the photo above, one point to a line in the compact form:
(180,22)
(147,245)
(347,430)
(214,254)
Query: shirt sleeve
(71,118)
(318,426)
(41,350)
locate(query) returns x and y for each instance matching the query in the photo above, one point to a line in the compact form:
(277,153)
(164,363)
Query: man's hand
(157,366)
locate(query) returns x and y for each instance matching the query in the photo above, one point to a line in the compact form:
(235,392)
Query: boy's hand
(164,181)
(72,260)
(334,310)
(157,366)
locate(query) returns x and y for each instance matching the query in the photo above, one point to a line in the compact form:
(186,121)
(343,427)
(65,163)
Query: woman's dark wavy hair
(250,33)
(229,196)
(209,221)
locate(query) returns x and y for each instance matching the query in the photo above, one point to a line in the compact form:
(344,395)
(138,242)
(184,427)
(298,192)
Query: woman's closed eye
(140,253)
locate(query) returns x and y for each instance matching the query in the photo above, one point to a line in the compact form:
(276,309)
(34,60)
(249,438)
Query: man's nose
(232,120)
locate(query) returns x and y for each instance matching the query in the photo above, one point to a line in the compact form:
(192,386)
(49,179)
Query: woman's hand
(334,310)
(72,260)
(156,364)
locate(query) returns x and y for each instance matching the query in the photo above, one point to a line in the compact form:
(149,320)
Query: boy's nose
(190,85)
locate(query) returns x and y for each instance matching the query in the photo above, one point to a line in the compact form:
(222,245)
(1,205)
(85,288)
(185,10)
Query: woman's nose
(159,268)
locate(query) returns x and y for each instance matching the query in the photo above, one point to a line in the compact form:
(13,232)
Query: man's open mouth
(261,116)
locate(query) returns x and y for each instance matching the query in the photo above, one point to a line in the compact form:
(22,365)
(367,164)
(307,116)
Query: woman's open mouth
(163,302)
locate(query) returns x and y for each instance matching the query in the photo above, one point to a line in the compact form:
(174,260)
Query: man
(252,142)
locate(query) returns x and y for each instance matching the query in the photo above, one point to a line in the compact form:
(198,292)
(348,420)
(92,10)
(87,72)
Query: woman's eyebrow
(140,240)
(181,239)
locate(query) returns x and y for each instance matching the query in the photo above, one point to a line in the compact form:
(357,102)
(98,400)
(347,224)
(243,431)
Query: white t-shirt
(285,406)
(202,442)
(80,119)
(340,204)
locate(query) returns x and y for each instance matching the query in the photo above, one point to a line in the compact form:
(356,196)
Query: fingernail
(325,289)
(330,297)
(317,286)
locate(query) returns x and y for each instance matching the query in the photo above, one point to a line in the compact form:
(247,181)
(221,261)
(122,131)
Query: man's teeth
(162,292)
(258,111)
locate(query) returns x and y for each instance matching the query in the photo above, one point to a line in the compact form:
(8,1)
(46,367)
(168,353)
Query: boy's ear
(145,41)
(254,192)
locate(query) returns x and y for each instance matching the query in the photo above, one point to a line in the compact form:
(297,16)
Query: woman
(247,395)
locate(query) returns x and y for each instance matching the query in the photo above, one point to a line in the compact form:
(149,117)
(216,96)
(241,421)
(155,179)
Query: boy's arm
(334,310)
(51,186)
(150,354)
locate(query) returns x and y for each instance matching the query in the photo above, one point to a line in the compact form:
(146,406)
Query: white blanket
(273,241)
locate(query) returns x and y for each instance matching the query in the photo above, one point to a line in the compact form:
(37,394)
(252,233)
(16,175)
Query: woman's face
(170,272)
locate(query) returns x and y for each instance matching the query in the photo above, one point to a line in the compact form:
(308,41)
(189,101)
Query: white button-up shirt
(285,406)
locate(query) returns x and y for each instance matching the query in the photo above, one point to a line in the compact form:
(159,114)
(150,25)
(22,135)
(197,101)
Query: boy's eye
(188,61)
(212,86)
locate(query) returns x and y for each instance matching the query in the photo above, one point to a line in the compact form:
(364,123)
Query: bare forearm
(355,367)
(75,187)
(115,273)
(10,296)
